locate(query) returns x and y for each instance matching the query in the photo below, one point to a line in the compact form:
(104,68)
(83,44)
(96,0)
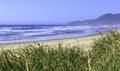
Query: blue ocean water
(25,33)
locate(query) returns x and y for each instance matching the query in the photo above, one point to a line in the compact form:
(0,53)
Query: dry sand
(83,42)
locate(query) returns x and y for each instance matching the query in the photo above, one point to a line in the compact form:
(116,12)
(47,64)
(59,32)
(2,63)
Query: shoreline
(85,41)
(49,39)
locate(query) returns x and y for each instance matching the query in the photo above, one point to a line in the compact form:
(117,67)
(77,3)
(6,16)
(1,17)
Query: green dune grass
(104,56)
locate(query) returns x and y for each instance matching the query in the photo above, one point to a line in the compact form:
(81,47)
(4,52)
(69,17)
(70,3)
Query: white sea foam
(37,33)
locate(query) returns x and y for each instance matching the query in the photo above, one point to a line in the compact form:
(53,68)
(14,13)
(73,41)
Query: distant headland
(106,19)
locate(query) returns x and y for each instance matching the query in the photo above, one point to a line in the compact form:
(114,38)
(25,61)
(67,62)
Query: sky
(54,11)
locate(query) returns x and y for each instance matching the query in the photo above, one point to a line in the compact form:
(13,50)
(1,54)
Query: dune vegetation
(104,56)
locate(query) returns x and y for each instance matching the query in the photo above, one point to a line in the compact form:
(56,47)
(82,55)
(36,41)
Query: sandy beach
(83,42)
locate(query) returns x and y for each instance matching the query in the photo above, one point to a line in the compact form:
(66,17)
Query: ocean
(27,33)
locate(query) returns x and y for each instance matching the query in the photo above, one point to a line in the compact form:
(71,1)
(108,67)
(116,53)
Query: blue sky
(54,11)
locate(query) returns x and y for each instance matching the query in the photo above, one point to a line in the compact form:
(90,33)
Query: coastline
(84,42)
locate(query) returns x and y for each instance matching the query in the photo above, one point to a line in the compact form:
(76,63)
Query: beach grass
(104,56)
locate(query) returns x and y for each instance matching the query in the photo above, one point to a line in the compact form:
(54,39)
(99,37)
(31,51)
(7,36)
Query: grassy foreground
(104,56)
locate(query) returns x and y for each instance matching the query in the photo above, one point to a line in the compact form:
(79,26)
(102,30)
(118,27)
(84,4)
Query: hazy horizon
(49,12)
